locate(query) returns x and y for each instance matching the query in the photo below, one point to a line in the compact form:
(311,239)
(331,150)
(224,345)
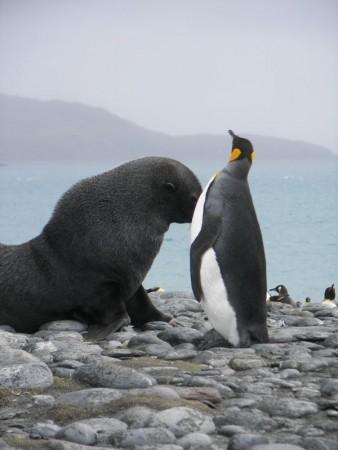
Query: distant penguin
(283,295)
(329,297)
(227,261)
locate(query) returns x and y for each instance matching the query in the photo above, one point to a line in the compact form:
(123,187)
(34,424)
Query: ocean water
(296,204)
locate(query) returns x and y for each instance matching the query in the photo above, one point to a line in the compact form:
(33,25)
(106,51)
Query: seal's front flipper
(100,332)
(141,310)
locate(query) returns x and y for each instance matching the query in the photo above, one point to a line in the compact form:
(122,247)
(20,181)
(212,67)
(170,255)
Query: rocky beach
(158,389)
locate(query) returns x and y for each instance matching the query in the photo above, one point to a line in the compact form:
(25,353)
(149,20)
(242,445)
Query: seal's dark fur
(91,258)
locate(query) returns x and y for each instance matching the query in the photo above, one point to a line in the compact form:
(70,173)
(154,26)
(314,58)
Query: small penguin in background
(227,260)
(329,297)
(283,295)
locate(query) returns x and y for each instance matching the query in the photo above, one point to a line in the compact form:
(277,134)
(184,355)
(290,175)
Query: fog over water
(264,67)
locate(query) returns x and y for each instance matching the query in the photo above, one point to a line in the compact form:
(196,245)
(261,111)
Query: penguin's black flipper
(206,238)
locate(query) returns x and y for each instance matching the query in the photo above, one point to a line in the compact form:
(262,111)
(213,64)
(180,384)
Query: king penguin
(227,260)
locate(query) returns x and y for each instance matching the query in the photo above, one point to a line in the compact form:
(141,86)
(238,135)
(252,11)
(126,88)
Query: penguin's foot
(212,339)
(100,332)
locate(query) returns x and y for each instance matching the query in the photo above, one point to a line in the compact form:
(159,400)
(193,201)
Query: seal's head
(179,190)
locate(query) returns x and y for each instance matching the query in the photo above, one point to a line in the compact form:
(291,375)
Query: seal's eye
(170,187)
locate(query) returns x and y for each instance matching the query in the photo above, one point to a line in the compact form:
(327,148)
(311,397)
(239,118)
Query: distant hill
(56,130)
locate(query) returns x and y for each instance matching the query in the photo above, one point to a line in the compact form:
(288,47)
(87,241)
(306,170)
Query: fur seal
(227,261)
(91,258)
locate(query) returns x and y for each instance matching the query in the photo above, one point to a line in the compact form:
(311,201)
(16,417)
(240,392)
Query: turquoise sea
(296,204)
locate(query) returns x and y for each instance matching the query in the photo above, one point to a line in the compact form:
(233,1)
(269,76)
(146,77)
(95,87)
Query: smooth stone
(46,401)
(44,430)
(159,350)
(314,443)
(123,353)
(329,387)
(144,339)
(277,447)
(69,364)
(85,398)
(195,441)
(252,419)
(64,325)
(159,447)
(74,349)
(144,436)
(287,407)
(208,395)
(182,420)
(23,370)
(54,444)
(313,365)
(13,340)
(63,372)
(136,417)
(105,428)
(7,328)
(289,373)
(179,335)
(231,430)
(156,326)
(106,373)
(331,341)
(246,441)
(79,433)
(182,355)
(246,364)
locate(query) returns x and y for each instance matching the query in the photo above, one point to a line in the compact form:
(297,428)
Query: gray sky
(261,66)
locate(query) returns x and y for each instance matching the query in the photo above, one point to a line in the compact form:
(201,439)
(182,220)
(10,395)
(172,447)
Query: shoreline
(154,389)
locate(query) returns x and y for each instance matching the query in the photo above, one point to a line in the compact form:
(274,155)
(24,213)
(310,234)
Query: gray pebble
(277,447)
(106,373)
(136,417)
(144,436)
(44,430)
(79,433)
(246,441)
(287,407)
(195,441)
(22,370)
(64,325)
(106,428)
(320,444)
(46,401)
(179,335)
(182,420)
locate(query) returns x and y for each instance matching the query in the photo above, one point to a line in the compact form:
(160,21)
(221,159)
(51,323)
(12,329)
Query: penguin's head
(281,289)
(241,148)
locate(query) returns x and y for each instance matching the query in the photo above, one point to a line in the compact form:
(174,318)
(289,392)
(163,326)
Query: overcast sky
(181,66)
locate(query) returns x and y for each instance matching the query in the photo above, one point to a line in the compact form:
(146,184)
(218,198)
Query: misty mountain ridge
(57,130)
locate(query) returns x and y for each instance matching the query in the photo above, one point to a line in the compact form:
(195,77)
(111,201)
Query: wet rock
(136,417)
(94,397)
(106,373)
(44,430)
(231,430)
(287,407)
(64,325)
(79,433)
(195,441)
(329,387)
(331,341)
(175,336)
(46,401)
(246,364)
(13,340)
(320,444)
(182,420)
(246,441)
(106,428)
(276,447)
(145,436)
(22,370)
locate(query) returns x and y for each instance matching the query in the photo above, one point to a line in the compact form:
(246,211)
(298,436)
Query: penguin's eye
(170,187)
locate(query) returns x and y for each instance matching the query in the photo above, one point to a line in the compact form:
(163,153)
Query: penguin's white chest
(215,301)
